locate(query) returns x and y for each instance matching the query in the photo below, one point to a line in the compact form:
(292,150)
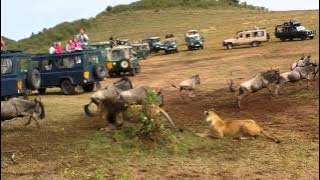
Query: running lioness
(241,129)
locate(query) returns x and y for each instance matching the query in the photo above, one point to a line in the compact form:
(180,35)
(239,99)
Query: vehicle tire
(202,47)
(189,48)
(100,71)
(310,38)
(255,44)
(42,91)
(88,88)
(67,87)
(34,79)
(229,46)
(282,39)
(303,38)
(133,72)
(291,39)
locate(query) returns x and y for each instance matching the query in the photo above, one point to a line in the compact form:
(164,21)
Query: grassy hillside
(141,18)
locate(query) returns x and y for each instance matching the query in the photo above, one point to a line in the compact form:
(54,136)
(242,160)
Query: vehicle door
(8,77)
(48,71)
(239,39)
(71,67)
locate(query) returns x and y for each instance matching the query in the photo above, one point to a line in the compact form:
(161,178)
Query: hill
(12,44)
(119,19)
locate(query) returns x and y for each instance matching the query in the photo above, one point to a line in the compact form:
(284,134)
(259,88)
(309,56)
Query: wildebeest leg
(239,98)
(29,121)
(277,92)
(270,90)
(37,123)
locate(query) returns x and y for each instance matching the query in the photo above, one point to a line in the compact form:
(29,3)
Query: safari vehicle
(194,40)
(293,30)
(248,37)
(17,74)
(142,50)
(122,60)
(69,70)
(154,43)
(170,45)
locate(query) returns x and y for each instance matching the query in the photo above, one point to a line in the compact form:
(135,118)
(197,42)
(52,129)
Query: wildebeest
(110,92)
(188,84)
(16,107)
(116,99)
(301,62)
(297,74)
(260,81)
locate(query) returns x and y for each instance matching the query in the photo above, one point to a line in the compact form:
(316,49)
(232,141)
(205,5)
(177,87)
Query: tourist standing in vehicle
(77,44)
(52,49)
(3,44)
(58,48)
(70,46)
(83,37)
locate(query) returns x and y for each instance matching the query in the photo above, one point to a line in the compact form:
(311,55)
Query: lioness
(241,129)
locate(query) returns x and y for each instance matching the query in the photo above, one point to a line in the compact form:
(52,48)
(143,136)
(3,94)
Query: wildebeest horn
(87,110)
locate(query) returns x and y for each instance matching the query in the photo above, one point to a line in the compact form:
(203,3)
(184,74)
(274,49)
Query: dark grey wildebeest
(260,81)
(298,74)
(16,107)
(188,85)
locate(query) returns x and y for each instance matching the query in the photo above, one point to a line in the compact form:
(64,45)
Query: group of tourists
(75,44)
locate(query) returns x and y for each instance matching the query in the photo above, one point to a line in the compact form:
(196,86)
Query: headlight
(124,64)
(86,74)
(19,85)
(109,65)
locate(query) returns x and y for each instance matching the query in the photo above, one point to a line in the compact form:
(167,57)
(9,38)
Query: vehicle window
(6,66)
(46,65)
(301,28)
(93,59)
(24,66)
(117,55)
(66,62)
(248,35)
(240,35)
(260,33)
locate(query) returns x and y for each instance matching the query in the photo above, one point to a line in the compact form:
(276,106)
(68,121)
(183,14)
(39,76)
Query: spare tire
(100,72)
(34,79)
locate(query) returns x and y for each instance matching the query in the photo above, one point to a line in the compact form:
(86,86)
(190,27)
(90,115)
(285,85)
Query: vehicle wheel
(67,87)
(88,88)
(303,38)
(310,38)
(282,39)
(202,47)
(255,44)
(42,91)
(34,79)
(133,72)
(229,46)
(291,39)
(189,48)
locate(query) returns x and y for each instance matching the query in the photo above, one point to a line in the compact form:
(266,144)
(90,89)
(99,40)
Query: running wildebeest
(110,92)
(188,84)
(297,74)
(16,107)
(302,62)
(260,81)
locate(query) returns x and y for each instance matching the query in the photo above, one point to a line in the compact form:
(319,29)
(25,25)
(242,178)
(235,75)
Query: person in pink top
(77,44)
(59,48)
(70,46)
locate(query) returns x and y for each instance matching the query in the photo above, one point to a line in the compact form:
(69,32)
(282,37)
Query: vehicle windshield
(6,66)
(155,40)
(301,28)
(117,55)
(93,59)
(194,39)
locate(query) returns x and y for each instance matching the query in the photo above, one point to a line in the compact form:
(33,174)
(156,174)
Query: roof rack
(11,51)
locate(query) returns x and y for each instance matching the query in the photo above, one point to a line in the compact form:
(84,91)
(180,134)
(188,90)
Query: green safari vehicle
(142,50)
(122,60)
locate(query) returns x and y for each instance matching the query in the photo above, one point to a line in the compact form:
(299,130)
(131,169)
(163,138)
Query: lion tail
(270,137)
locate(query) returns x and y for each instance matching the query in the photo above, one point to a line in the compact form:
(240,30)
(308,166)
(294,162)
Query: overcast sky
(19,18)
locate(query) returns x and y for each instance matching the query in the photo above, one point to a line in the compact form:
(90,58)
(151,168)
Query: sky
(19,18)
